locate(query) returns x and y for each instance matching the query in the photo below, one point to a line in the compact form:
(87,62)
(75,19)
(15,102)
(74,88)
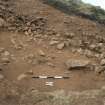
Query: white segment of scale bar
(43,77)
(58,77)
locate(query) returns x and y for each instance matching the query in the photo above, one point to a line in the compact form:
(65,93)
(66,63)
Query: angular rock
(60,46)
(41,53)
(53,42)
(76,64)
(21,76)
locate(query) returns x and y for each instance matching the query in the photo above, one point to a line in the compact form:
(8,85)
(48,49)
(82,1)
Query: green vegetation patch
(77,7)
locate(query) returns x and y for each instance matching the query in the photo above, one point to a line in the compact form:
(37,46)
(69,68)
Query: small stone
(103,88)
(19,47)
(97,55)
(5,60)
(74,50)
(54,42)
(42,60)
(21,76)
(50,64)
(80,50)
(88,53)
(1,76)
(29,31)
(1,69)
(41,53)
(73,64)
(92,47)
(2,50)
(99,69)
(66,72)
(30,39)
(60,46)
(6,53)
(58,35)
(70,35)
(30,72)
(26,33)
(67,43)
(102,63)
(2,22)
(33,61)
(100,45)
(12,28)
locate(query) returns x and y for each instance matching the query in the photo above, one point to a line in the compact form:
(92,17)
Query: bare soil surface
(37,39)
(28,59)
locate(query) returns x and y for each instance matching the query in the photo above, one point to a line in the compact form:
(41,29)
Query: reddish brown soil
(23,50)
(79,79)
(61,23)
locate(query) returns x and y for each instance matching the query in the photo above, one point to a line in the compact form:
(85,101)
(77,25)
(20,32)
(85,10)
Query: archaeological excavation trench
(46,53)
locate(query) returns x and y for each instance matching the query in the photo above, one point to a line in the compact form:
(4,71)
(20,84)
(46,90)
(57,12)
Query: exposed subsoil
(37,39)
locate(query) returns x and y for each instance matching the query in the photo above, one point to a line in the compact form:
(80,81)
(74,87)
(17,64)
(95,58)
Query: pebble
(1,76)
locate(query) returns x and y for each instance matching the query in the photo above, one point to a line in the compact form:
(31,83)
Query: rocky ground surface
(39,40)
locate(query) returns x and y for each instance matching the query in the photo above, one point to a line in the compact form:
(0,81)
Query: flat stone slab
(77,64)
